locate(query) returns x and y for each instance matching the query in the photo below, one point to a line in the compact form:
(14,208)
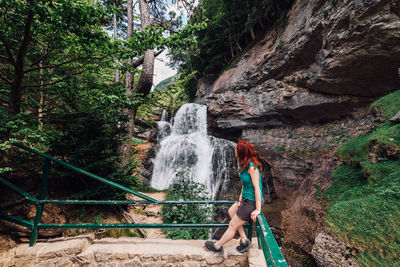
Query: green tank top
(248,188)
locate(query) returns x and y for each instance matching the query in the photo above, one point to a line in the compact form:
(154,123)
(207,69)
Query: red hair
(246,154)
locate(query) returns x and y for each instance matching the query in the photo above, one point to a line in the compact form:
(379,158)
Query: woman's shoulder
(251,164)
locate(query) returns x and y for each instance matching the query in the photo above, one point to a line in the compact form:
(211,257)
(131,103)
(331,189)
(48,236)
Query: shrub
(186,189)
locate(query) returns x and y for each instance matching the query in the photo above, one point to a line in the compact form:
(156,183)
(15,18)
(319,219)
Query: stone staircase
(128,251)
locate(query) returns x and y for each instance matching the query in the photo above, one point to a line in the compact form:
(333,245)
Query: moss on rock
(363,202)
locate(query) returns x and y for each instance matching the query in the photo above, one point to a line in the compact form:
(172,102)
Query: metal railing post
(258,230)
(39,206)
(250,230)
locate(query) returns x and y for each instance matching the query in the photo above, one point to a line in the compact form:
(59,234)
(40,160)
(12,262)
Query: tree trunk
(239,48)
(115,38)
(15,95)
(253,36)
(129,75)
(14,106)
(125,149)
(40,110)
(146,77)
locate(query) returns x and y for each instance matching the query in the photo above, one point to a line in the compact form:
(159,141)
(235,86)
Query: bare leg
(232,212)
(234,225)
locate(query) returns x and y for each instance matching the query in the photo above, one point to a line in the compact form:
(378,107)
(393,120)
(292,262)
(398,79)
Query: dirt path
(148,214)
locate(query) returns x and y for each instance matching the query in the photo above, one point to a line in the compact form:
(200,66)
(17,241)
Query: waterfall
(185,146)
(164,115)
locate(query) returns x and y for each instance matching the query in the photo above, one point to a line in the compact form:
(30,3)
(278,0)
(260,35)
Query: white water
(185,146)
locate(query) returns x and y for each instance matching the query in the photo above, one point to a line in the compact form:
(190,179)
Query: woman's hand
(254,214)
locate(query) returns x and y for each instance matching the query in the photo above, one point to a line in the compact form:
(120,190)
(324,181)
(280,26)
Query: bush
(186,189)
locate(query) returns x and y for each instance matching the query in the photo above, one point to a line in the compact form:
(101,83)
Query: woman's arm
(240,196)
(255,179)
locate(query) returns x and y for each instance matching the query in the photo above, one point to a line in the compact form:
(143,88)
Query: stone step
(129,251)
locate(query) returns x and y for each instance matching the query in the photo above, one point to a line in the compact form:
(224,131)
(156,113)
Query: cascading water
(185,146)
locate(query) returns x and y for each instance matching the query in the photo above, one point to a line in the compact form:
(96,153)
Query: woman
(250,199)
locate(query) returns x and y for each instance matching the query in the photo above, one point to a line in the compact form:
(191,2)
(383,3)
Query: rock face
(330,252)
(303,90)
(328,58)
(145,152)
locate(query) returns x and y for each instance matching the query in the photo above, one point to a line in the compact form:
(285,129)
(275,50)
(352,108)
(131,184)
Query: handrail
(134,202)
(266,240)
(16,220)
(86,173)
(18,190)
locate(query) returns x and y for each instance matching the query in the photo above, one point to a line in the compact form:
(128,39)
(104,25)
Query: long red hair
(246,154)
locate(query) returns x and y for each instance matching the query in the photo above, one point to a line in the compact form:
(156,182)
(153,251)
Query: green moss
(354,151)
(376,260)
(385,141)
(344,178)
(379,170)
(387,135)
(363,202)
(367,217)
(389,104)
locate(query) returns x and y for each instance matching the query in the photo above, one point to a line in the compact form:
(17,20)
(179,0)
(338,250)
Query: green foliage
(279,46)
(186,189)
(355,150)
(64,60)
(367,217)
(344,178)
(280,149)
(376,171)
(175,95)
(88,136)
(163,84)
(117,233)
(389,104)
(364,198)
(231,28)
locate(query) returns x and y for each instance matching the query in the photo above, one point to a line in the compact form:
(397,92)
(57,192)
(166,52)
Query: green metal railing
(266,241)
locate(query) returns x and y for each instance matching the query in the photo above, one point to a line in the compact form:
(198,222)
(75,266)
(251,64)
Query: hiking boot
(211,247)
(243,247)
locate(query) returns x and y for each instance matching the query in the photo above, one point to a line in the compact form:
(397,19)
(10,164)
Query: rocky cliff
(302,91)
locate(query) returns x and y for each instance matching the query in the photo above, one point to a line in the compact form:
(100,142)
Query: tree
(60,50)
(232,28)
(41,36)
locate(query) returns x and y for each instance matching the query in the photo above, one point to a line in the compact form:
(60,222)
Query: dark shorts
(245,209)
